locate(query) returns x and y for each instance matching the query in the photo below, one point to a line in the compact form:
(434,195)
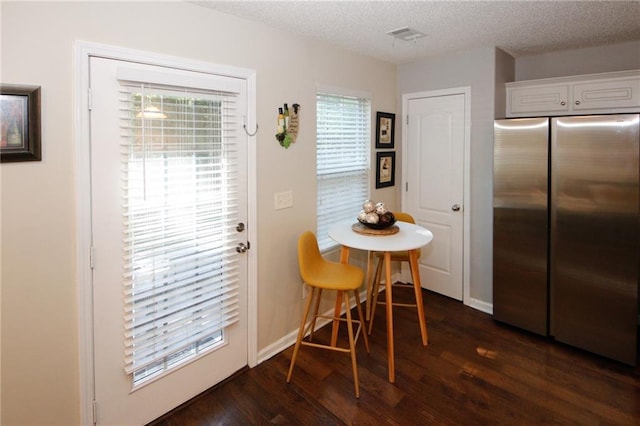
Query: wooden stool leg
(344,259)
(315,311)
(352,346)
(362,323)
(415,274)
(369,283)
(375,289)
(336,315)
(296,348)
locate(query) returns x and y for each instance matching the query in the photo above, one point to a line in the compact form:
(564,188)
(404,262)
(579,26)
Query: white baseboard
(277,346)
(485,307)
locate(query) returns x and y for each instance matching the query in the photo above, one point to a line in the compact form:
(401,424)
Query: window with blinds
(343,144)
(179,186)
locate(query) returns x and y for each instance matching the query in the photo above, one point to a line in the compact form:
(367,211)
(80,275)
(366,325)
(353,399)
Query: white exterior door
(433,171)
(186,372)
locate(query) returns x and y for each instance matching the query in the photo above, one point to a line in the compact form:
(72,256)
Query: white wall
(505,72)
(475,68)
(615,57)
(40,361)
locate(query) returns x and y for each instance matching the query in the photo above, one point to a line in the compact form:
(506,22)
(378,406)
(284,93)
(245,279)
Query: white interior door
(434,185)
(202,363)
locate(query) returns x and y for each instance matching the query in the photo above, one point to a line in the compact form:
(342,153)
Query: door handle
(455,208)
(241,248)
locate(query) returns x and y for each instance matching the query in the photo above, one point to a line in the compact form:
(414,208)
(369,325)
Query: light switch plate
(284,200)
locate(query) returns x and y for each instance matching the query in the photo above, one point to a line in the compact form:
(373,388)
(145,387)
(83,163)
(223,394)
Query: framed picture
(20,123)
(385,130)
(385,169)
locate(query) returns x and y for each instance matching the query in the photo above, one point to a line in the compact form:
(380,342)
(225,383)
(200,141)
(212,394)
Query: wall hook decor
(287,127)
(244,126)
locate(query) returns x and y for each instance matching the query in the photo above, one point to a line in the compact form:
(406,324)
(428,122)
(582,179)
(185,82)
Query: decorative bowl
(378,225)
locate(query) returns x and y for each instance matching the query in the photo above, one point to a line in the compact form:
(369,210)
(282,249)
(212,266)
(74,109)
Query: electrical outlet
(284,200)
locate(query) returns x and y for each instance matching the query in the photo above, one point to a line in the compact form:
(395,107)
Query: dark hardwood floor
(474,371)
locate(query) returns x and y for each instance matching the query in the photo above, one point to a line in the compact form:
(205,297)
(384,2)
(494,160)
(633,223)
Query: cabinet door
(623,93)
(538,99)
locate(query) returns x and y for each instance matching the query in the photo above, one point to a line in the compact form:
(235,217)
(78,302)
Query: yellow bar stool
(321,274)
(398,256)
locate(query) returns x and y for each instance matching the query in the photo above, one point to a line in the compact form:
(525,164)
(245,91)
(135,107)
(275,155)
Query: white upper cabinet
(606,94)
(589,94)
(538,99)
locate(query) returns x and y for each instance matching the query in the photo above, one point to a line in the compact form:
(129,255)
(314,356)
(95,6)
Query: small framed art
(20,123)
(385,169)
(385,130)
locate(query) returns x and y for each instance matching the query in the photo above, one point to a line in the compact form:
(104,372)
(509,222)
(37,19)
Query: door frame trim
(466,208)
(83,51)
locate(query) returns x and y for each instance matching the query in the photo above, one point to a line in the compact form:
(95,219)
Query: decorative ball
(362,216)
(380,208)
(387,218)
(372,218)
(369,206)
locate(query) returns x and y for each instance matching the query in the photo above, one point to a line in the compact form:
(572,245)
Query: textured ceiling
(519,28)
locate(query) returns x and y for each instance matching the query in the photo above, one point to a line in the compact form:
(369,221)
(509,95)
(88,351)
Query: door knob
(241,248)
(455,208)
(240,227)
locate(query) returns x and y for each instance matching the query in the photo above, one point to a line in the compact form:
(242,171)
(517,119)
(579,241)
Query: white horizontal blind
(343,141)
(179,186)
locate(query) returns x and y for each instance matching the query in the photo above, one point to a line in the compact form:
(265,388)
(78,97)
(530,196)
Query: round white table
(410,237)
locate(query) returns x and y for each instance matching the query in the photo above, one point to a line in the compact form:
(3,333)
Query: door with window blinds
(168,170)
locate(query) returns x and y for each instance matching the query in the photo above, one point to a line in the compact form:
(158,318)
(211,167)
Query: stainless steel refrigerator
(566,246)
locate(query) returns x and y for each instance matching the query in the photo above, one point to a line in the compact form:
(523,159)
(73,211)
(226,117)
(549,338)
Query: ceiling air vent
(406,34)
